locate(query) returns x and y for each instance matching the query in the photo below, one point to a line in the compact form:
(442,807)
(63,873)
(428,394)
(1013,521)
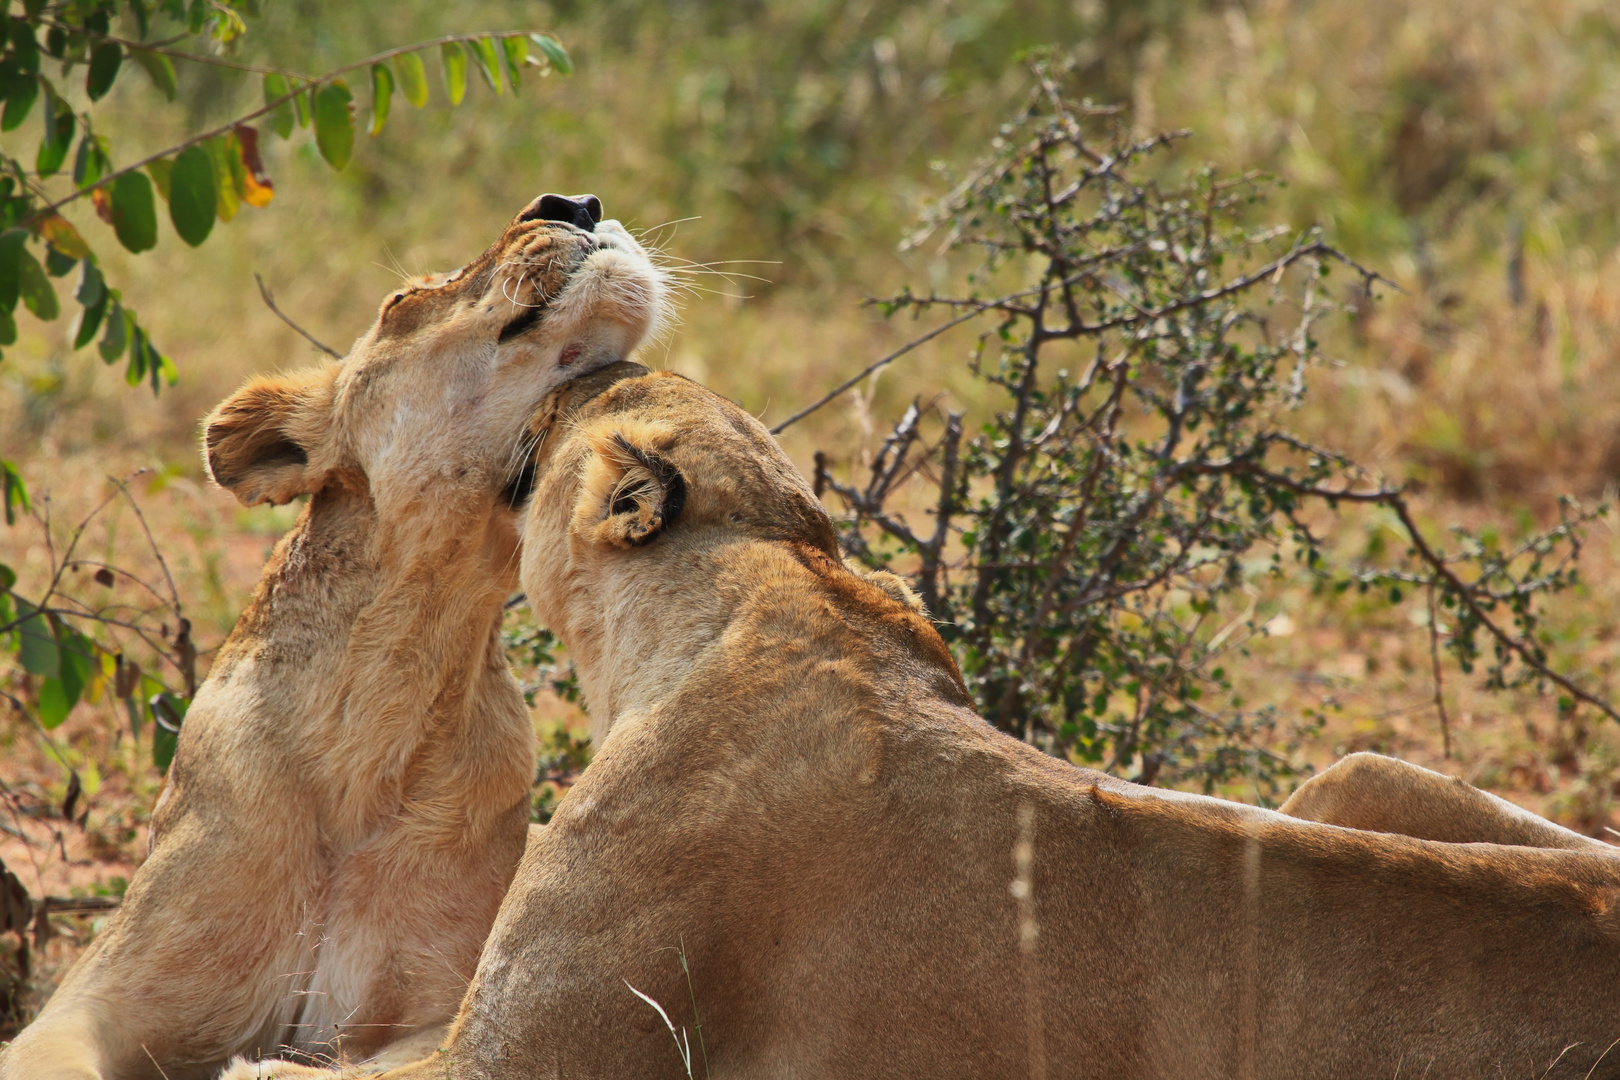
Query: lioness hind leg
(1383,794)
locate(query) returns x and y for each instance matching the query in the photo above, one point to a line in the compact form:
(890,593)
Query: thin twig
(1439,685)
(874,366)
(163,564)
(270,302)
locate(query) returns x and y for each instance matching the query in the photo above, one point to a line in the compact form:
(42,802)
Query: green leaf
(555,54)
(35,288)
(77,657)
(16,498)
(8,328)
(11,252)
(136,709)
(158,67)
(24,47)
(90,163)
(19,102)
(413,81)
(281,117)
(301,106)
(161,171)
(116,339)
(60,124)
(488,61)
(90,317)
(168,713)
(133,212)
(37,645)
(135,370)
(455,72)
(221,151)
(159,368)
(54,704)
(334,123)
(516,49)
(192,195)
(382,93)
(10,75)
(92,287)
(57,262)
(105,61)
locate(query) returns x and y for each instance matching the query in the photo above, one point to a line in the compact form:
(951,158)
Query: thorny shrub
(1146,342)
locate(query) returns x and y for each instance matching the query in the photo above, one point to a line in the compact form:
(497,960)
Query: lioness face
(645,486)
(433,401)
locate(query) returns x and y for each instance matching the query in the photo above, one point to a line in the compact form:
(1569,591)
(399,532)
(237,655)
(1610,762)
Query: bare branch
(270,302)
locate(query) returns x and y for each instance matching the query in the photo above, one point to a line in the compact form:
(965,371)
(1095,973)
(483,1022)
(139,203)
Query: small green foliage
(76,35)
(516,50)
(1087,540)
(276,89)
(413,81)
(334,123)
(160,68)
(193,195)
(554,53)
(105,61)
(134,212)
(14,495)
(382,93)
(486,58)
(168,712)
(20,98)
(35,288)
(455,72)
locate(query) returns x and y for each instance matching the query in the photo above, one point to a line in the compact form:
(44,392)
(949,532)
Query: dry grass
(1467,147)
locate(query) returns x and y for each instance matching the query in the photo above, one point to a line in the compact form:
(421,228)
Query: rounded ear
(257,443)
(631,493)
(893,584)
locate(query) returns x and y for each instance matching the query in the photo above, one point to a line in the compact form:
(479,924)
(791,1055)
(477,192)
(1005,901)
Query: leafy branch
(66,646)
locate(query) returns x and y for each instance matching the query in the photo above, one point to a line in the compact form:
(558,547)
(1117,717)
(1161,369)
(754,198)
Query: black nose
(583,211)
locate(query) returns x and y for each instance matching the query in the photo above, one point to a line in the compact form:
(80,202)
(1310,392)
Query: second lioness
(794,801)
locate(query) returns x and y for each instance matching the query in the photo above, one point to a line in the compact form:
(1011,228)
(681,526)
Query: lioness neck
(373,651)
(769,613)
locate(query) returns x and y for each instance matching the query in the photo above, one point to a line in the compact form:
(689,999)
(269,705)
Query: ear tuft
(632,494)
(257,443)
(893,584)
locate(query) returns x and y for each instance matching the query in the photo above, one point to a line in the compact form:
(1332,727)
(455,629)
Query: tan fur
(1382,794)
(350,795)
(865,879)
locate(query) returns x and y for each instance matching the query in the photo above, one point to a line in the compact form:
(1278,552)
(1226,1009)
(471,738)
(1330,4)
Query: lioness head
(434,399)
(655,489)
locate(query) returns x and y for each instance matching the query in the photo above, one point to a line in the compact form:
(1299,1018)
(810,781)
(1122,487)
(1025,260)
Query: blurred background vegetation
(1467,149)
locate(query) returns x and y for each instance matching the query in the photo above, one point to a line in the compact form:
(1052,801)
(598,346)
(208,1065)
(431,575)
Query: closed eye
(524,320)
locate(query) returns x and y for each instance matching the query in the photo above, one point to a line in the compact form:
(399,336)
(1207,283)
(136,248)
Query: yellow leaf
(257,194)
(61,234)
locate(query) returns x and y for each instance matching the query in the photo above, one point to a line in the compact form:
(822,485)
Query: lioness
(794,800)
(350,794)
